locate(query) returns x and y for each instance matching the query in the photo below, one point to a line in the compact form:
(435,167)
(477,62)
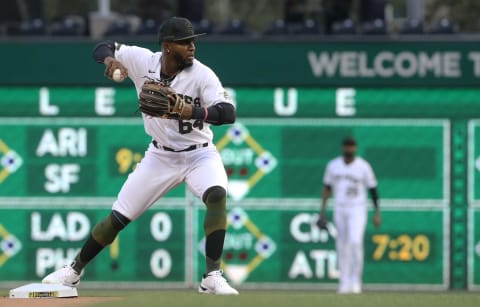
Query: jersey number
(185,127)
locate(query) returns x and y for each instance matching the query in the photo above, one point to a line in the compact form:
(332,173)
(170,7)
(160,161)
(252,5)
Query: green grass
(288,299)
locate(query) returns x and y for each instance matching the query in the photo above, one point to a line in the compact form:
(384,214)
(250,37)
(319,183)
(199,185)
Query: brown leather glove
(322,222)
(158,100)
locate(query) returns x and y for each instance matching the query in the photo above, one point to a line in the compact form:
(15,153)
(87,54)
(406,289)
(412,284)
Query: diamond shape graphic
(9,245)
(241,260)
(246,161)
(10,161)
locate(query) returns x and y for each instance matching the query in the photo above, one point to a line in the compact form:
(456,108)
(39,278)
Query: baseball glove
(158,100)
(322,223)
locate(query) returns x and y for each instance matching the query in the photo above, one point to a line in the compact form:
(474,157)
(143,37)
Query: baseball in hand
(117,75)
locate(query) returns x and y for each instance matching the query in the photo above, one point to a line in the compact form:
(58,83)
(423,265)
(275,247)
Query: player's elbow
(230,115)
(103,50)
(223,113)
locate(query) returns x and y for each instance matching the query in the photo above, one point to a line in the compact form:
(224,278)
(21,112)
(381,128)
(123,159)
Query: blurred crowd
(98,18)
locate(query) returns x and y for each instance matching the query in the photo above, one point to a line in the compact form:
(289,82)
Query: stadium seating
(32,27)
(76,26)
(308,27)
(281,27)
(443,26)
(118,28)
(344,27)
(203,26)
(276,27)
(374,27)
(148,27)
(233,27)
(412,26)
(69,26)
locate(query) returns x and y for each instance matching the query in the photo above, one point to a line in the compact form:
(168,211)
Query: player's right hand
(322,222)
(111,65)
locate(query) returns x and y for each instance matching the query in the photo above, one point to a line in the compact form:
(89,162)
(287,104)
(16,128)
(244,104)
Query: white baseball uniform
(349,183)
(161,170)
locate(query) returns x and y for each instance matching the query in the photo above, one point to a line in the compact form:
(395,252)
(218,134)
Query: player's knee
(215,199)
(107,229)
(119,221)
(214,195)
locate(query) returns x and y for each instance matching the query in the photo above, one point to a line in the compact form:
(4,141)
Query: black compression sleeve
(219,114)
(103,50)
(374,195)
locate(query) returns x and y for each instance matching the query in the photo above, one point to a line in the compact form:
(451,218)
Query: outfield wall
(68,141)
(368,61)
(68,150)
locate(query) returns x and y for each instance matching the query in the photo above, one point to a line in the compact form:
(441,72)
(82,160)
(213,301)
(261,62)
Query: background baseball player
(348,177)
(181,150)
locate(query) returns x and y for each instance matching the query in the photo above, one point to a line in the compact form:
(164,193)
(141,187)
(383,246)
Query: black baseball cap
(349,141)
(176,29)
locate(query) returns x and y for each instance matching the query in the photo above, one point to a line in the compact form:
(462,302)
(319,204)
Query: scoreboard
(474,249)
(410,250)
(474,162)
(66,151)
(474,200)
(72,157)
(281,245)
(280,102)
(91,157)
(42,239)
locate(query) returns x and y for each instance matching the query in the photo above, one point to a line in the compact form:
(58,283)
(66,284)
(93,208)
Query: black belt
(189,148)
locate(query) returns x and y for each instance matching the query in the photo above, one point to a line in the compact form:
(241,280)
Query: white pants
(350,223)
(160,171)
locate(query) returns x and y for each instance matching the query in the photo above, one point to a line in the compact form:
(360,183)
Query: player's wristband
(103,50)
(219,114)
(206,114)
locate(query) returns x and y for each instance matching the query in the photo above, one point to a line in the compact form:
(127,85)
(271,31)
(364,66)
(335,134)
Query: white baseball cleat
(66,276)
(356,288)
(214,283)
(344,288)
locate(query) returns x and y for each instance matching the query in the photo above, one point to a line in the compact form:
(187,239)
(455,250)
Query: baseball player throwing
(348,177)
(181,149)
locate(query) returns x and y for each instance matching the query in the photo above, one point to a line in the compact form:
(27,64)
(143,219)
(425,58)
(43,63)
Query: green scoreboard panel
(74,157)
(252,102)
(65,152)
(474,162)
(286,159)
(37,241)
(474,201)
(474,249)
(282,245)
(264,159)
(276,244)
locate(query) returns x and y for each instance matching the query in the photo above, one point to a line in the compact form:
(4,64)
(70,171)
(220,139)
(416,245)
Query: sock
(213,250)
(215,224)
(90,249)
(102,235)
